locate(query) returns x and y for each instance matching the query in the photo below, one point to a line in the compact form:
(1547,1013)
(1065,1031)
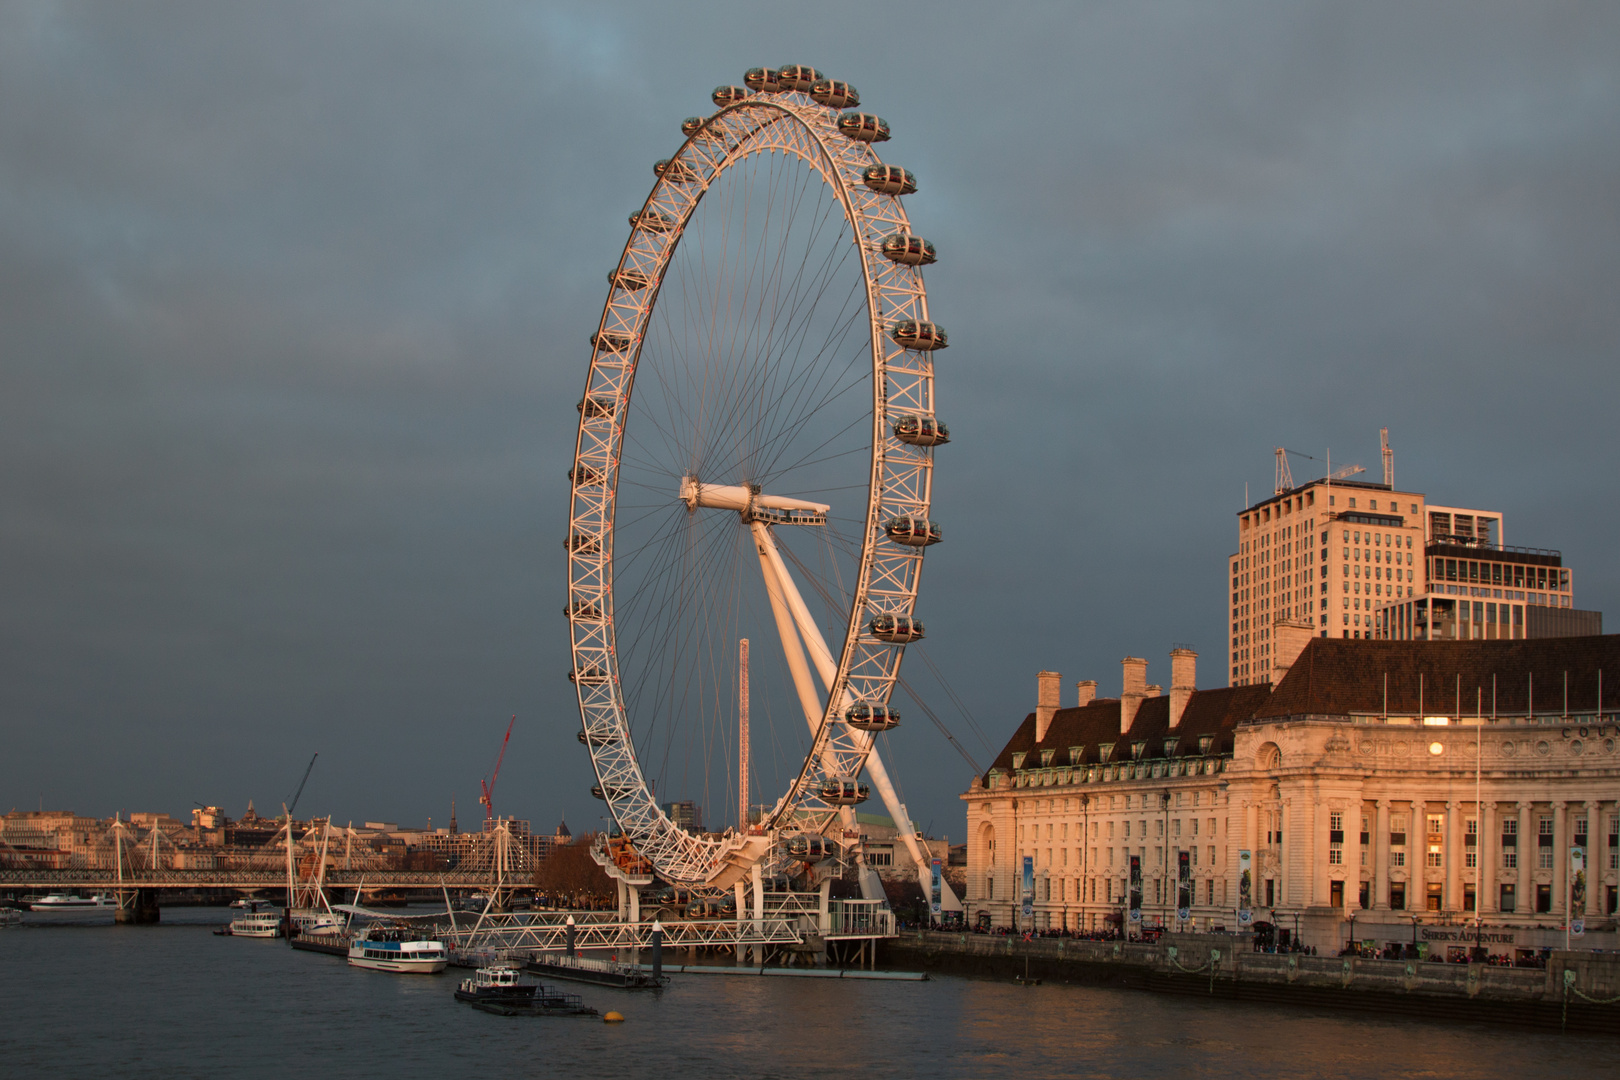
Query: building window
(1543,899)
(1544,844)
(1507,901)
(1510,843)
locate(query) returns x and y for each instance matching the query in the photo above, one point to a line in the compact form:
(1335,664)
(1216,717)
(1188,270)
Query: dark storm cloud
(293,302)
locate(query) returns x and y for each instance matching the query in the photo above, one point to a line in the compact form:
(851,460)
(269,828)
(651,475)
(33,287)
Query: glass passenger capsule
(583,609)
(583,544)
(676,172)
(763,79)
(611,342)
(897,629)
(912,334)
(902,247)
(835,94)
(727,95)
(599,738)
(587,675)
(691,126)
(843,791)
(652,221)
(871,716)
(632,279)
(612,792)
(583,476)
(597,406)
(912,531)
(864,127)
(889,180)
(808,847)
(800,77)
(921,431)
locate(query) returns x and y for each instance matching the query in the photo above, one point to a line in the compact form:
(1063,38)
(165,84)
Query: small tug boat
(504,992)
(398,949)
(503,984)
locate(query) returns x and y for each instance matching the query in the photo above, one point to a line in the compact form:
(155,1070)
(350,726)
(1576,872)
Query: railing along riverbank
(1578,991)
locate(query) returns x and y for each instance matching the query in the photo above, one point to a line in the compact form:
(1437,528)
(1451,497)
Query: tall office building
(1318,560)
(1358,559)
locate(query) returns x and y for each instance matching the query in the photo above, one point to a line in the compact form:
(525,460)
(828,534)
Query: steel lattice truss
(900,481)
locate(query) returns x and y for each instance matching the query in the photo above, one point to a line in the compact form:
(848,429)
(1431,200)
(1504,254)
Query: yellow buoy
(613,1018)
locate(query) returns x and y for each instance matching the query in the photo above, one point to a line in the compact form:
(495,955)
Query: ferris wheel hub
(751,504)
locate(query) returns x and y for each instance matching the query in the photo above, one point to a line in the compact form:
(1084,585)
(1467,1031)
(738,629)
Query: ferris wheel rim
(600,444)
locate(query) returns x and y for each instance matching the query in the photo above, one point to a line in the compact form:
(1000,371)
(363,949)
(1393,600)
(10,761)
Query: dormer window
(1205,742)
(1170,747)
(1018,759)
(1077,754)
(1046,757)
(1105,751)
(1138,748)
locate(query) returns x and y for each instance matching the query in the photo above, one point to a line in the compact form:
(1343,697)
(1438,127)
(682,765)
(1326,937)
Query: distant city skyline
(297,305)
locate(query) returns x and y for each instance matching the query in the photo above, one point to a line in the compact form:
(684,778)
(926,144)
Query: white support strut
(821,656)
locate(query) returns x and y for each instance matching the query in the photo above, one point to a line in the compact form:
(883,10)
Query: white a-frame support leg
(771,562)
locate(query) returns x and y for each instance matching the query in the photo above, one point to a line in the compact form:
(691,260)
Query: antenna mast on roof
(1285,478)
(1389,457)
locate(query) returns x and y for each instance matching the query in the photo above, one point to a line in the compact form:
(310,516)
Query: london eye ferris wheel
(755,458)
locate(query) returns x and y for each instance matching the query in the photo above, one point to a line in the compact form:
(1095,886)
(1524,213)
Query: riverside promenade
(1577,991)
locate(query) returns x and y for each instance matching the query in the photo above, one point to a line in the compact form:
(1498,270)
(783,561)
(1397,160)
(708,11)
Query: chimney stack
(1049,688)
(1088,692)
(1183,680)
(1134,670)
(1154,689)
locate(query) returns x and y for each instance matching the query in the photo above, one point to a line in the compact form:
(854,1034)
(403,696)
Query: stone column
(1322,874)
(1485,874)
(1589,808)
(1527,861)
(1560,859)
(1453,858)
(1381,855)
(1284,823)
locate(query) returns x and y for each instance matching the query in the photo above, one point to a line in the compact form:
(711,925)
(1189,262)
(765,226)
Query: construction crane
(294,804)
(488,797)
(1285,476)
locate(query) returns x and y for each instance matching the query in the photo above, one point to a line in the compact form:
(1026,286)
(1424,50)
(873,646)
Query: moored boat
(70,902)
(397,949)
(260,921)
(601,972)
(504,984)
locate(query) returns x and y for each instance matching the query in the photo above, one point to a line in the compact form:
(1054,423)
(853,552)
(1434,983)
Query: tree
(571,878)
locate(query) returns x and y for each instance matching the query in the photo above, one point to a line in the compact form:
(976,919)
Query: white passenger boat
(261,921)
(393,948)
(68,902)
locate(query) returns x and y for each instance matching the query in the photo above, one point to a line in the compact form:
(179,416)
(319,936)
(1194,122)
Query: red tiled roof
(1338,677)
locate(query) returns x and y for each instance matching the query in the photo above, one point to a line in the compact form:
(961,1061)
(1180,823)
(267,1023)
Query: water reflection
(175,1001)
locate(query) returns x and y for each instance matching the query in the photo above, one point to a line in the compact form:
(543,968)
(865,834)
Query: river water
(175,1001)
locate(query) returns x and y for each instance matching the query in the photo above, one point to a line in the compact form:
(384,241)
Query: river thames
(175,1001)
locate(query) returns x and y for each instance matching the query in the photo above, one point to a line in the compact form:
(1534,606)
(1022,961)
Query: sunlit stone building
(1408,785)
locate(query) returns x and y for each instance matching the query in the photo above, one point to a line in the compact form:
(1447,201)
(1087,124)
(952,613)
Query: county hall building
(1400,788)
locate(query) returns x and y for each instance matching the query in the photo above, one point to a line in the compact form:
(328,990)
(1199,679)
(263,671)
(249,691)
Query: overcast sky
(294,301)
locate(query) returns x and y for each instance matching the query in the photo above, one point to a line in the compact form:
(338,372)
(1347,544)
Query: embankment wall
(1578,991)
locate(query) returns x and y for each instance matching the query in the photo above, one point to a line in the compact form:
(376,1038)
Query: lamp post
(1414,937)
(1351,946)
